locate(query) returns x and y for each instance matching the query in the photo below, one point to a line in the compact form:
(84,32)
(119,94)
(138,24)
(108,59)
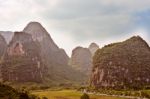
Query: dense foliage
(123,65)
(145,93)
(85,96)
(7,92)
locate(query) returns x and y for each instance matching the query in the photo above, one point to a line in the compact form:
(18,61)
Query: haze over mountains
(22,61)
(93,47)
(81,58)
(31,55)
(7,35)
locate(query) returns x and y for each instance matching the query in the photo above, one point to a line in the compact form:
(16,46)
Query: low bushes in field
(7,92)
(85,96)
(145,94)
(135,93)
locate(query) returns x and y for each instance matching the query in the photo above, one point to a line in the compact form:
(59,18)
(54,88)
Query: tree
(85,96)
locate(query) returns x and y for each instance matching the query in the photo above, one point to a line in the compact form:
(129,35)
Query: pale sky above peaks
(74,23)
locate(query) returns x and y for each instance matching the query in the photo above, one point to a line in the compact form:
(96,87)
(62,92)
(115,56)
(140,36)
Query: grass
(67,94)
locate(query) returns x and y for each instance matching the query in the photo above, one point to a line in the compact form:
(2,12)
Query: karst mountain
(32,56)
(122,65)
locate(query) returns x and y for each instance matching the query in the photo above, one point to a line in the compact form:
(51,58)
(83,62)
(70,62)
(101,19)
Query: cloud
(79,22)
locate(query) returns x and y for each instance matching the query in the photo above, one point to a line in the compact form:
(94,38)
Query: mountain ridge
(50,62)
(122,65)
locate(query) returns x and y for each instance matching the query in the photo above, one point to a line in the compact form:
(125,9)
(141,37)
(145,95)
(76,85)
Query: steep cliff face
(93,47)
(48,47)
(40,34)
(54,58)
(22,61)
(122,65)
(7,35)
(3,46)
(81,60)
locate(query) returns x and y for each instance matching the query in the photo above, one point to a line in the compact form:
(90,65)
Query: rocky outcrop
(122,65)
(81,59)
(49,50)
(3,46)
(93,47)
(22,61)
(54,57)
(7,35)
(32,56)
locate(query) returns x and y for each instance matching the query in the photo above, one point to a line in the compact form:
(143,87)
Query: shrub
(85,96)
(24,96)
(145,94)
(7,91)
(34,97)
(44,98)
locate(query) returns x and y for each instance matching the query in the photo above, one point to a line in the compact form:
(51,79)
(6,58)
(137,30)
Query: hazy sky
(74,23)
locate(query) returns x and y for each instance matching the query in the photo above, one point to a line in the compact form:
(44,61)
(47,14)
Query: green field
(68,94)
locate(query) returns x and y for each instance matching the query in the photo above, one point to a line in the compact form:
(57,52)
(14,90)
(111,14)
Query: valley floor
(69,94)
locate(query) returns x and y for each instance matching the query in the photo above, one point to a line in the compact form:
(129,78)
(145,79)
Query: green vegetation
(47,92)
(50,92)
(85,96)
(7,92)
(121,66)
(68,94)
(42,86)
(145,93)
(134,93)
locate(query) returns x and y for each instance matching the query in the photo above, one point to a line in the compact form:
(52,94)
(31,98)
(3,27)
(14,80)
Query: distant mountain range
(81,58)
(31,55)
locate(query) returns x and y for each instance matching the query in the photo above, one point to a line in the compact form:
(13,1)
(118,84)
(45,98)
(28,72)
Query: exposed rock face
(3,46)
(81,60)
(32,56)
(93,47)
(22,62)
(39,33)
(122,65)
(54,58)
(7,35)
(50,50)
